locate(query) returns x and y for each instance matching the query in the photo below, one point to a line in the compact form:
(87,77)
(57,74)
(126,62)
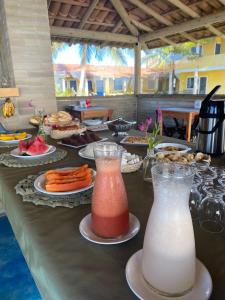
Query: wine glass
(211,214)
(194,202)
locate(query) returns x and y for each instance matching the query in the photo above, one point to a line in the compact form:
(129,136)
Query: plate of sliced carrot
(65,181)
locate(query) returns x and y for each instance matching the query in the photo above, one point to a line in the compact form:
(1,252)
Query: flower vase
(148,162)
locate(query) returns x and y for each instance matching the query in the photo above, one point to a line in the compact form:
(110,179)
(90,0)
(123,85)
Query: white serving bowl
(182,148)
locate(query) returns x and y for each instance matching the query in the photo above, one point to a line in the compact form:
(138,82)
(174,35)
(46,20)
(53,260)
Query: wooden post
(137,69)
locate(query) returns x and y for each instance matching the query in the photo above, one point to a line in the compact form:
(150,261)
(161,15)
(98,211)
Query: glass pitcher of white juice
(168,262)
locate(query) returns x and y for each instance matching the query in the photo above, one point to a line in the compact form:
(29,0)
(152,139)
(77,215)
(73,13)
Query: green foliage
(151,137)
(67,93)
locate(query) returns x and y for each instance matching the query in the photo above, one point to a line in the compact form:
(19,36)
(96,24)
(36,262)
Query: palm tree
(87,52)
(168,55)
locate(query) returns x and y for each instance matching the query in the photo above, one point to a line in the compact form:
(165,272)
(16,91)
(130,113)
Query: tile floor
(16,282)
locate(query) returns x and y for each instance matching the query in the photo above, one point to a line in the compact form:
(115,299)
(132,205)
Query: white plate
(139,286)
(93,122)
(16,153)
(88,234)
(40,182)
(184,148)
(16,141)
(101,127)
(80,146)
(81,153)
(125,142)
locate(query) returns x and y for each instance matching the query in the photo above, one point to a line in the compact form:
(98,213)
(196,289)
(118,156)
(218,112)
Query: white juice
(168,262)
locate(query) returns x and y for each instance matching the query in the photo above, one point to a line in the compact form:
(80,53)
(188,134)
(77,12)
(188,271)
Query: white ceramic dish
(16,141)
(183,148)
(82,154)
(101,127)
(16,153)
(40,182)
(80,146)
(139,286)
(88,234)
(92,122)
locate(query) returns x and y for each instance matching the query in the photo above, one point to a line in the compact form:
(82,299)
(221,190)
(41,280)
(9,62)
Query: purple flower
(30,104)
(148,122)
(142,127)
(159,115)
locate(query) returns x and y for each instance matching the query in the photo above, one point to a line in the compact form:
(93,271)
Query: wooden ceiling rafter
(222,1)
(88,13)
(57,31)
(187,26)
(124,16)
(149,29)
(194,15)
(156,15)
(103,17)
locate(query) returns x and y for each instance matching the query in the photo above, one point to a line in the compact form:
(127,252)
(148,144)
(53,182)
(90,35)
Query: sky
(70,55)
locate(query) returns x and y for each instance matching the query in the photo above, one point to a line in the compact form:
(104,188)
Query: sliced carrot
(66,187)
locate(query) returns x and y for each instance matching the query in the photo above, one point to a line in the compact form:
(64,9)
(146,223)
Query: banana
(8,108)
(15,136)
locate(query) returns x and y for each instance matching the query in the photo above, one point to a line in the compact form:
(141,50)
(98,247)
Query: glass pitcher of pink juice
(110,215)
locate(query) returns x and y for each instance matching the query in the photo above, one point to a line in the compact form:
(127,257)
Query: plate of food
(81,140)
(171,148)
(184,158)
(134,140)
(14,138)
(92,122)
(66,181)
(32,149)
(95,128)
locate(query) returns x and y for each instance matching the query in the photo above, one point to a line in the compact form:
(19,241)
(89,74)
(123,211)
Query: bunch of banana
(12,136)
(8,108)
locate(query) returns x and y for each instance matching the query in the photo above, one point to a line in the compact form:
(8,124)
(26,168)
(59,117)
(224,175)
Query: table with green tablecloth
(64,265)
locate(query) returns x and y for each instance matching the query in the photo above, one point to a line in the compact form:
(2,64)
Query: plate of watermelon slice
(33,149)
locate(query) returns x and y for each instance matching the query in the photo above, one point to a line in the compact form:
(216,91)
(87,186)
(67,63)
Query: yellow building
(196,75)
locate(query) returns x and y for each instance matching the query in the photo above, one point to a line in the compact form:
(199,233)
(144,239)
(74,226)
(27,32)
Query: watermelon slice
(33,147)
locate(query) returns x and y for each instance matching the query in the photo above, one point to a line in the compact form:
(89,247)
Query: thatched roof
(153,23)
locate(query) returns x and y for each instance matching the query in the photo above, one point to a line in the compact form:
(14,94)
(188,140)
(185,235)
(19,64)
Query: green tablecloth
(64,265)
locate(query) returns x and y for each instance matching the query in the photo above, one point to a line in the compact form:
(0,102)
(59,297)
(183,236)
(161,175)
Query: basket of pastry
(60,118)
(199,159)
(61,132)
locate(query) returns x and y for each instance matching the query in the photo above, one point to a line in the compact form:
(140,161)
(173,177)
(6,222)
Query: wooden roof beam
(157,16)
(124,16)
(57,31)
(118,25)
(84,4)
(149,29)
(186,26)
(193,14)
(75,20)
(88,13)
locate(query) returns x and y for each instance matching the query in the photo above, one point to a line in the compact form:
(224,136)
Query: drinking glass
(208,174)
(197,180)
(194,202)
(213,188)
(211,214)
(110,216)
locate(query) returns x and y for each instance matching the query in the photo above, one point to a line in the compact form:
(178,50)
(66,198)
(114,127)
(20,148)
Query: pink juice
(110,216)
